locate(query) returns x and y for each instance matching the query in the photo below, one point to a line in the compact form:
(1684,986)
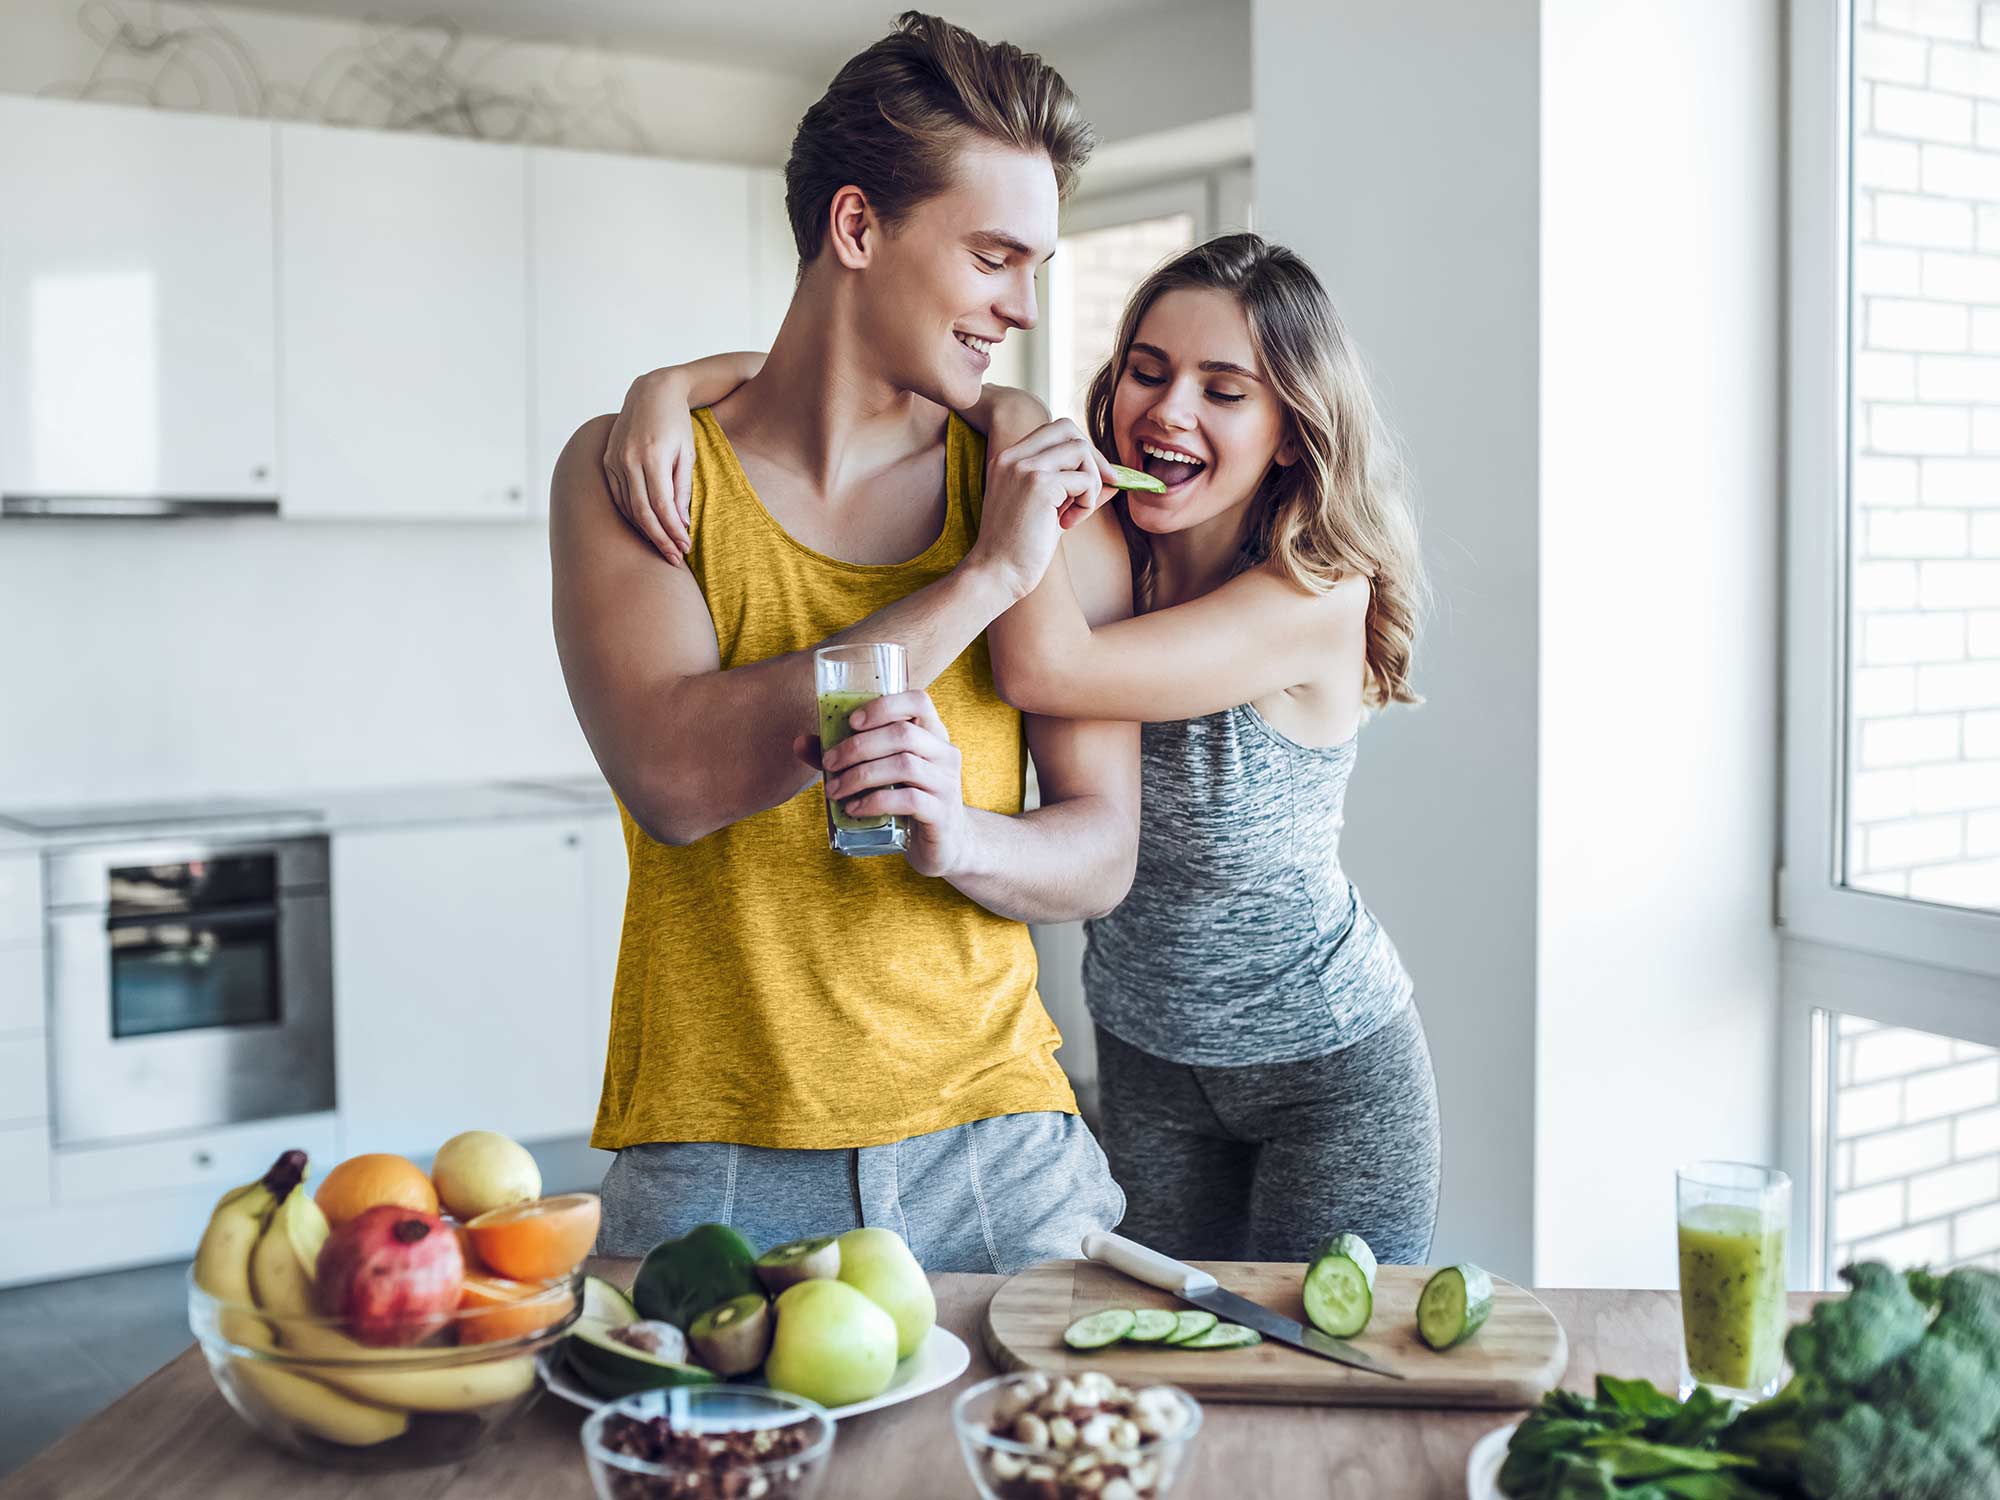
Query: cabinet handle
(203,1159)
(570,840)
(262,471)
(514,493)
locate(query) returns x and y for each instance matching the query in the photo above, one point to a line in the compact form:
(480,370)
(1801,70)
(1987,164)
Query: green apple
(832,1346)
(878,1264)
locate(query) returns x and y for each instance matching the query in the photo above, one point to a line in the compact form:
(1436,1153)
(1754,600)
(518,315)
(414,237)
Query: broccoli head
(1847,1341)
(1864,1455)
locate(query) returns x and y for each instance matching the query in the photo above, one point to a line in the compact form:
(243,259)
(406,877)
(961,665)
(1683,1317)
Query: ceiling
(810,38)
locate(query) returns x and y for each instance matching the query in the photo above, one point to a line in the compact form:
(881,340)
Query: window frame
(1812,901)
(1889,959)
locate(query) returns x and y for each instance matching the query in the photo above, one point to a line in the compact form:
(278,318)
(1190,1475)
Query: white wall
(1661,196)
(1552,227)
(1397,151)
(626,101)
(1166,67)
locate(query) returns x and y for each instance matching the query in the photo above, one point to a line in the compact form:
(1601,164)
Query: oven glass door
(182,973)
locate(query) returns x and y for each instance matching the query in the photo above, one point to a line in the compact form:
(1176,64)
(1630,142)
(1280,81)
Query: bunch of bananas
(256,1259)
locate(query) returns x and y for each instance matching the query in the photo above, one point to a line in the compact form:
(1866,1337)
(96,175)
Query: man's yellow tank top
(774,993)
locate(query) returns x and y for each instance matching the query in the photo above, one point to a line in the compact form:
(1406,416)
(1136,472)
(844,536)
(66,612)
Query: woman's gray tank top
(1242,942)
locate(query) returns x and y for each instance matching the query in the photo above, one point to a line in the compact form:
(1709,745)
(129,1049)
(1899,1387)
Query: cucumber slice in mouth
(1340,1286)
(1098,1329)
(1454,1305)
(1125,478)
(1191,1323)
(1152,1325)
(1224,1336)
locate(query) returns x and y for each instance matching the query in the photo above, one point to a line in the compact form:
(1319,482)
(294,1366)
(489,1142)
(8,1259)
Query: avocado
(734,1338)
(681,1279)
(612,1361)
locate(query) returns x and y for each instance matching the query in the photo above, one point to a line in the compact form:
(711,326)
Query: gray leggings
(1261,1163)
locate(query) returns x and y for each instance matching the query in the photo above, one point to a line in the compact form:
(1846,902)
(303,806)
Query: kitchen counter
(334,811)
(173,1438)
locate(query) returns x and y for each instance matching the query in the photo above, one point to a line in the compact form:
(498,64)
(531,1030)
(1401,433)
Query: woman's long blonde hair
(1340,509)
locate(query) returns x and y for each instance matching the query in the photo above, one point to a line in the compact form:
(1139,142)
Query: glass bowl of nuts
(1035,1436)
(709,1442)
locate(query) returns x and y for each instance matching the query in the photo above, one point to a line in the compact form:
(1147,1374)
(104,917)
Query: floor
(92,1339)
(88,1341)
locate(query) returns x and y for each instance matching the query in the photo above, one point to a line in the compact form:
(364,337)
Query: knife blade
(1203,1290)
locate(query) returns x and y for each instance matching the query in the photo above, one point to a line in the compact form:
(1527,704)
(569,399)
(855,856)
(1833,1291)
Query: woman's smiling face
(1192,408)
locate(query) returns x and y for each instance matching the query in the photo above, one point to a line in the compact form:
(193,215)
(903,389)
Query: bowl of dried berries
(714,1442)
(1036,1436)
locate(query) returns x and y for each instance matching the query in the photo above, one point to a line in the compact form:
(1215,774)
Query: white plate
(1482,1466)
(939,1360)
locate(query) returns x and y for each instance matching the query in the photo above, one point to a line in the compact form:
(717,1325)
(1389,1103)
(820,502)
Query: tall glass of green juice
(1732,1218)
(848,678)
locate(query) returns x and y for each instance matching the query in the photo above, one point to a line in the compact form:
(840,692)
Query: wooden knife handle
(1141,1264)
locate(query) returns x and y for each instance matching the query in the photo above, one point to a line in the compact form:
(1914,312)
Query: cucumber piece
(1095,1330)
(1191,1323)
(1152,1325)
(1224,1336)
(1124,478)
(1454,1305)
(1340,1286)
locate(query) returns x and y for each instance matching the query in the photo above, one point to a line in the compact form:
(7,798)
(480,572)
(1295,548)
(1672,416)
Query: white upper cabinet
(638,263)
(403,318)
(137,304)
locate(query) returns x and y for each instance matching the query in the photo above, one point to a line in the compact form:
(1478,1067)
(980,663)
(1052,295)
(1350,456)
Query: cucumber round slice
(1224,1336)
(1095,1330)
(1191,1323)
(1454,1305)
(1152,1325)
(1340,1286)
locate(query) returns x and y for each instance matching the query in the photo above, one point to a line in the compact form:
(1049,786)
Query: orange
(493,1308)
(537,1241)
(364,1182)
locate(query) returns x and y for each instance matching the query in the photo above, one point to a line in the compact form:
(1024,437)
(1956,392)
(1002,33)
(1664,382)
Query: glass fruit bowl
(311,1388)
(1035,1436)
(709,1442)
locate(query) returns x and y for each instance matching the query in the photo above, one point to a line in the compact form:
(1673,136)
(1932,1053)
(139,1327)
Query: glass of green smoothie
(1732,1218)
(847,678)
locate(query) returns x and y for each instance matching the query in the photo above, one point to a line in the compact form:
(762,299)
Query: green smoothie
(1732,1295)
(835,707)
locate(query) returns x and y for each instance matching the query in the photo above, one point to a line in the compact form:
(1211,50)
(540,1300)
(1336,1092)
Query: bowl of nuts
(713,1442)
(1035,1436)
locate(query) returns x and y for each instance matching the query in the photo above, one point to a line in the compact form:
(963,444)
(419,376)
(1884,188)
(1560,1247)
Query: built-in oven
(191,986)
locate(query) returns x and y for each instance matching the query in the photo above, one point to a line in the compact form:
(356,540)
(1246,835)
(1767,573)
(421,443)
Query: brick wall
(1916,1154)
(1104,265)
(1924,794)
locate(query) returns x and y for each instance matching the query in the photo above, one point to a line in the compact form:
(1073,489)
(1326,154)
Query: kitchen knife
(1202,1289)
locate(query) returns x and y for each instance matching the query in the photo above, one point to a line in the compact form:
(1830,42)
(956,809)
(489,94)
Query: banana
(283,1286)
(241,1222)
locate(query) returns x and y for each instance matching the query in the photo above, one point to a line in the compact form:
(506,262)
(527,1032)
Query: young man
(802,1042)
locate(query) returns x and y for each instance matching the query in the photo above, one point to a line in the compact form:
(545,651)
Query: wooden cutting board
(1511,1362)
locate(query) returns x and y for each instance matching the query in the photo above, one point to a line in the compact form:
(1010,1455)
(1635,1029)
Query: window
(1092,275)
(1889,895)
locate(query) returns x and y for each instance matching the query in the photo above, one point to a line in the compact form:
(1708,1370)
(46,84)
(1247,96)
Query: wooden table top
(173,1438)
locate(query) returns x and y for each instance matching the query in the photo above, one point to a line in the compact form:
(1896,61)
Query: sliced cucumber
(1224,1336)
(1340,1286)
(1191,1323)
(604,1304)
(1454,1305)
(1134,479)
(1152,1325)
(1095,1330)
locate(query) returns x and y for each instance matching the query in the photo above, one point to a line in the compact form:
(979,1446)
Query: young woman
(1264,1076)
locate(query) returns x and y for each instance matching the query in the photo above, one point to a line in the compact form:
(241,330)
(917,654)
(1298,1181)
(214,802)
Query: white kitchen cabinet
(608,874)
(138,347)
(25,1179)
(462,983)
(637,262)
(404,325)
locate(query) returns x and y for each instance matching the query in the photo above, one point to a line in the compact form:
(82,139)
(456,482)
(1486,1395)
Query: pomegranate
(393,1275)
